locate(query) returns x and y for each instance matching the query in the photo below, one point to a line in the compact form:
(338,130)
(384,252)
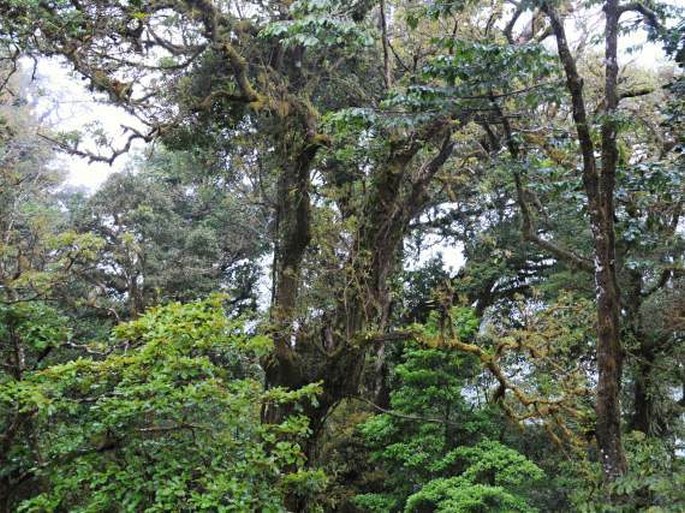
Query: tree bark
(643,418)
(599,183)
(397,193)
(609,350)
(293,235)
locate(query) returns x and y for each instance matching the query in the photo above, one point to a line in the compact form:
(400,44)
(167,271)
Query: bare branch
(399,415)
(108,159)
(398,58)
(634,93)
(530,234)
(510,26)
(175,427)
(650,17)
(13,59)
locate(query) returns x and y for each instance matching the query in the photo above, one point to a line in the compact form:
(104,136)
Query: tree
(599,180)
(169,420)
(272,97)
(39,260)
(434,449)
(539,225)
(176,230)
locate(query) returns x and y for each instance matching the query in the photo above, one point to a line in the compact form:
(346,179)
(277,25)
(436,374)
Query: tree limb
(649,16)
(399,415)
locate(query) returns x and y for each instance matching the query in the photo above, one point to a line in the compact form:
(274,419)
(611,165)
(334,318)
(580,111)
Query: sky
(63,103)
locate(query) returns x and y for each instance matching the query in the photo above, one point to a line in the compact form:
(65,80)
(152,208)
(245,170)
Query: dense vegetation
(239,322)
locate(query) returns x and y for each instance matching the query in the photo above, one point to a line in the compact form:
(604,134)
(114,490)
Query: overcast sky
(63,103)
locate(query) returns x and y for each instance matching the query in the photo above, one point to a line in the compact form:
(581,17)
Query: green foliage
(38,325)
(172,232)
(655,481)
(434,10)
(645,193)
(435,453)
(170,421)
(424,289)
(458,495)
(313,113)
(320,24)
(522,74)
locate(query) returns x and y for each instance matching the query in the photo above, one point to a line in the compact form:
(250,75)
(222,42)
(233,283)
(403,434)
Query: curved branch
(650,17)
(107,159)
(527,225)
(399,415)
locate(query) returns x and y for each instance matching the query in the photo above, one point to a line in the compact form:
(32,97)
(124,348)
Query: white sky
(63,103)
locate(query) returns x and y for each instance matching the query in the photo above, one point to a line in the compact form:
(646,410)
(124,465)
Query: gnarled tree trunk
(396,196)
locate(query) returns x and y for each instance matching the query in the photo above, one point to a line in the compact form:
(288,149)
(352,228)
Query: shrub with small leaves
(169,421)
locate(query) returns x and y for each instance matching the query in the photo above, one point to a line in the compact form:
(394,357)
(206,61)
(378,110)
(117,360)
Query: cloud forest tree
(40,259)
(178,229)
(353,121)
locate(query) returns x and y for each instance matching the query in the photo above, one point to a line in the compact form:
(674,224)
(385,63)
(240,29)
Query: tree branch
(527,225)
(108,159)
(634,93)
(510,26)
(399,415)
(650,17)
(666,275)
(387,70)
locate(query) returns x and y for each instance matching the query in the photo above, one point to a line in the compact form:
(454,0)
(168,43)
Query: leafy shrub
(168,421)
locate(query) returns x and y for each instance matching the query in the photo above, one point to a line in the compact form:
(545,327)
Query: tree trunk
(293,234)
(599,188)
(363,302)
(643,418)
(609,351)
(5,491)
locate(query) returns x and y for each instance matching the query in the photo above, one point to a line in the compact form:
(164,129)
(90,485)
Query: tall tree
(178,229)
(39,260)
(258,77)
(599,180)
